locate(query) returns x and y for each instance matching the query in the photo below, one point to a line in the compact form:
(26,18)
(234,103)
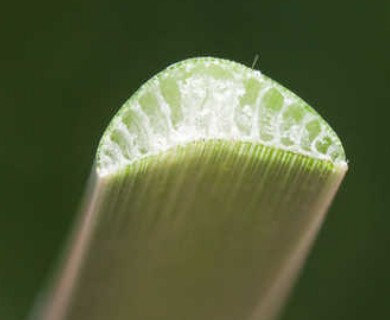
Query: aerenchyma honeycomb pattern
(210,99)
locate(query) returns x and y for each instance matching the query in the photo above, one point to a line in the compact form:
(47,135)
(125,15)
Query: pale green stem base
(209,231)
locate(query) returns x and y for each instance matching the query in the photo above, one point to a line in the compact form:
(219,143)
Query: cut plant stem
(199,218)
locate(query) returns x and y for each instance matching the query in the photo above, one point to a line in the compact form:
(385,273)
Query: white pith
(212,107)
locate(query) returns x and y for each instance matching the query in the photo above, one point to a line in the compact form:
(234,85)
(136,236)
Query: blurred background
(67,66)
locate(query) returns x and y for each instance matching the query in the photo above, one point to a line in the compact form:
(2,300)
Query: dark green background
(66,67)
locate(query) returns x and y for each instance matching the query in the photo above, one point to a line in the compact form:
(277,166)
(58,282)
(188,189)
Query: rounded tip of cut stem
(214,99)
